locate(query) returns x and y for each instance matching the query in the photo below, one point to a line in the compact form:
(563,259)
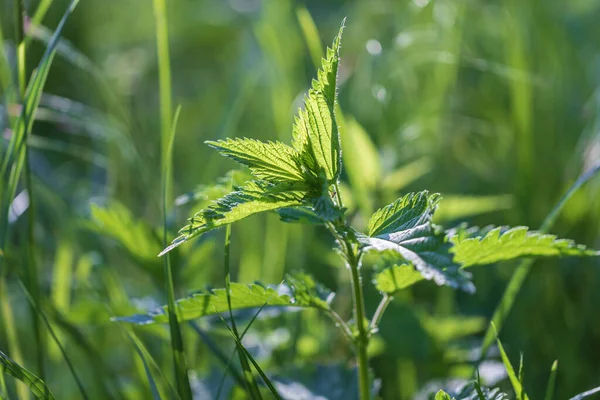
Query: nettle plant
(301,183)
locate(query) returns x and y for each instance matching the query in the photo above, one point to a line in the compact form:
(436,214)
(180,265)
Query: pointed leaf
(441,395)
(405,227)
(411,211)
(271,161)
(254,198)
(315,132)
(300,292)
(36,385)
(500,244)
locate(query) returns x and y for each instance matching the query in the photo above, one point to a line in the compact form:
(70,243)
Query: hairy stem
(361,340)
(385,301)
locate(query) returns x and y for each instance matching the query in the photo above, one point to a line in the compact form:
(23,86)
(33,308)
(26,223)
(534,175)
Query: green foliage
(405,227)
(271,161)
(36,385)
(135,235)
(441,395)
(254,198)
(300,291)
(286,176)
(315,132)
(506,244)
(397,277)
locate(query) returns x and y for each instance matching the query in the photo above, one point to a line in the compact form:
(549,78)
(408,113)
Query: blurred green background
(468,98)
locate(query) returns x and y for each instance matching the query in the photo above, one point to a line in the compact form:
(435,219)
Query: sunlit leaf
(254,198)
(441,395)
(315,132)
(405,227)
(271,161)
(501,244)
(397,277)
(300,290)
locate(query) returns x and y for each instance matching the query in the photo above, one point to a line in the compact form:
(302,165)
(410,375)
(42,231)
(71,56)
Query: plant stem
(342,324)
(385,301)
(362,339)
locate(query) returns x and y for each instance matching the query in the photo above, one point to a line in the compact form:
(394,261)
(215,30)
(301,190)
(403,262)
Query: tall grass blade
(252,360)
(251,384)
(181,376)
(522,271)
(36,385)
(512,376)
(56,340)
(551,381)
(164,82)
(228,368)
(311,35)
(139,347)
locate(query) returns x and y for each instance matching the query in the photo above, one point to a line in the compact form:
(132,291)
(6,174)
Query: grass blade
(235,350)
(522,271)
(311,35)
(56,340)
(164,83)
(512,376)
(551,381)
(181,377)
(35,384)
(251,384)
(252,360)
(143,353)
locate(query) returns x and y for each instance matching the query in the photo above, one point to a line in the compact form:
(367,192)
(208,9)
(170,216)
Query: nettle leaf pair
(300,183)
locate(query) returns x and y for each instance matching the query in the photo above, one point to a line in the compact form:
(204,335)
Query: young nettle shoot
(301,182)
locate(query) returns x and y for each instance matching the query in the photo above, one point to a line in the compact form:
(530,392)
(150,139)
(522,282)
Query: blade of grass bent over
(522,271)
(181,377)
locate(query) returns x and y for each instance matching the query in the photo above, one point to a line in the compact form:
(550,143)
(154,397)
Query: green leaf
(441,395)
(315,133)
(254,198)
(501,244)
(300,291)
(35,384)
(405,227)
(271,161)
(117,222)
(397,277)
(411,211)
